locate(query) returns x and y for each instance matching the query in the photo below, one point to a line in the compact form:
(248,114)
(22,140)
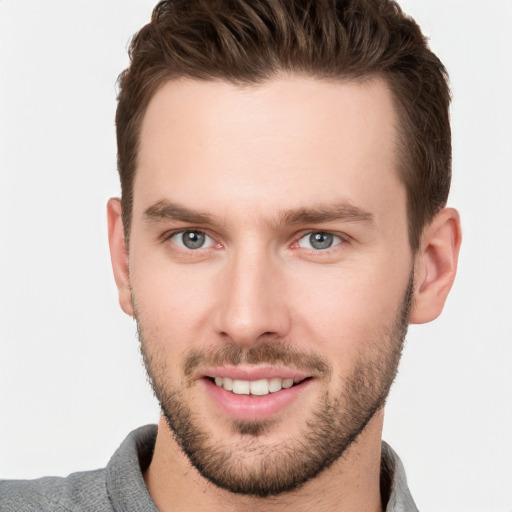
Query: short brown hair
(250,41)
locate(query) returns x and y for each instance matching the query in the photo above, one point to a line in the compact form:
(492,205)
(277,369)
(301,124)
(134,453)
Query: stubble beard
(251,467)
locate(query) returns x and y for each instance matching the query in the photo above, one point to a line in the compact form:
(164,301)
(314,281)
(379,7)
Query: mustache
(271,353)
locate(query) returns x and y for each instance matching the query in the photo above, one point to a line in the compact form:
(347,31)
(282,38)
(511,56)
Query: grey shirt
(120,486)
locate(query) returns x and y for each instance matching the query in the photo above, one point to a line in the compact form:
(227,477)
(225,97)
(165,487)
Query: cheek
(348,310)
(170,300)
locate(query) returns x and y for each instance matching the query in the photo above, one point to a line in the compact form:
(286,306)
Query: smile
(255,387)
(255,394)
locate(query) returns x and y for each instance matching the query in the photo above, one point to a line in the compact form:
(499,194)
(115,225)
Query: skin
(246,158)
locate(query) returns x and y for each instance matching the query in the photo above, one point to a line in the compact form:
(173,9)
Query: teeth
(241,387)
(254,387)
(275,385)
(287,383)
(259,387)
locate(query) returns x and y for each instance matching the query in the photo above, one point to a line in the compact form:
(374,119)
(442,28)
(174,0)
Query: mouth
(254,394)
(260,387)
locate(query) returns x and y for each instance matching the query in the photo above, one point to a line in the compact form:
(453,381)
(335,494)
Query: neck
(352,483)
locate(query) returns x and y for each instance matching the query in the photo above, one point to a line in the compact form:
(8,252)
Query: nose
(251,303)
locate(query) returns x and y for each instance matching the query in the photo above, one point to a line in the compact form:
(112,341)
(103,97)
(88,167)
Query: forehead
(286,143)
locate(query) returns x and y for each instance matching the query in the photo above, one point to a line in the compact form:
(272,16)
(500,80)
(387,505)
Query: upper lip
(252,373)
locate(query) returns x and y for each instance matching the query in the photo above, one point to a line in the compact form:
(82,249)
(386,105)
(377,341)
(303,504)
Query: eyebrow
(344,212)
(165,210)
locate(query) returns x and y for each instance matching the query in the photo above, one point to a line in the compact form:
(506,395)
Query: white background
(71,381)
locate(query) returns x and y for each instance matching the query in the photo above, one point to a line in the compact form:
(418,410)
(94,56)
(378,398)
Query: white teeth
(287,383)
(254,387)
(275,385)
(241,387)
(259,387)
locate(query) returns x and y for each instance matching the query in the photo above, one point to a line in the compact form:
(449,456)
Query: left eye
(191,240)
(319,241)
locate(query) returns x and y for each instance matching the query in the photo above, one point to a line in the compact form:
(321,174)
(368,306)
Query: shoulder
(119,486)
(78,492)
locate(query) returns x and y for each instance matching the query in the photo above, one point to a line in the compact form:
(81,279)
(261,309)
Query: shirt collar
(394,482)
(127,490)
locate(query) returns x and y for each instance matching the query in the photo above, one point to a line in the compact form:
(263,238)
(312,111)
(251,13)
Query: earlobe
(436,265)
(119,254)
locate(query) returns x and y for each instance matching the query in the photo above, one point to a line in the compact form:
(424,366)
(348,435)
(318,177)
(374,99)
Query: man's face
(268,247)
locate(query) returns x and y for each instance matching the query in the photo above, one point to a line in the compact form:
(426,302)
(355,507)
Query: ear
(436,265)
(119,254)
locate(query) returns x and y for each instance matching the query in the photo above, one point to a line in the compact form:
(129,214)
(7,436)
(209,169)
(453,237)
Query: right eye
(192,240)
(319,241)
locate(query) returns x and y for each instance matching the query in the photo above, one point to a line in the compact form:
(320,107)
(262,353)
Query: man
(284,168)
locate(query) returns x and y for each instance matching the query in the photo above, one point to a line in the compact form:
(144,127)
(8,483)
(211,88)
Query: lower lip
(253,407)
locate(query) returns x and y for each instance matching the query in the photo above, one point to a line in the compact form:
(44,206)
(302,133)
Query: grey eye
(191,239)
(319,240)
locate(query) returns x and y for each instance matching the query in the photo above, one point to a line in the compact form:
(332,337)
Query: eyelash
(172,234)
(338,240)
